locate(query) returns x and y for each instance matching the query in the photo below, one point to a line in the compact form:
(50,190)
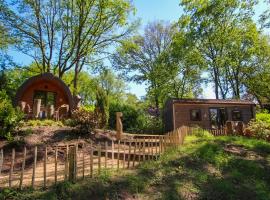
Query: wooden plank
(129,152)
(112,154)
(34,167)
(106,154)
(139,153)
(11,167)
(76,162)
(83,157)
(45,168)
(124,154)
(71,165)
(23,166)
(55,164)
(1,160)
(91,159)
(66,162)
(156,143)
(134,153)
(99,158)
(144,149)
(118,154)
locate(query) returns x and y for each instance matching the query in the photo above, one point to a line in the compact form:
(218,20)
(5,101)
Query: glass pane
(50,98)
(213,117)
(40,95)
(222,116)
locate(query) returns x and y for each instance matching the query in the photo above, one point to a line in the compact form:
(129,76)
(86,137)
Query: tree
(138,57)
(212,26)
(63,35)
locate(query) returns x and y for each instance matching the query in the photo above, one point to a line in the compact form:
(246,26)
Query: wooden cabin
(206,113)
(44,96)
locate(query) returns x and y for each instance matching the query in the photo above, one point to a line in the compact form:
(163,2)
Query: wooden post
(106,154)
(45,168)
(156,143)
(34,167)
(76,162)
(129,152)
(23,166)
(11,167)
(143,148)
(118,154)
(91,159)
(124,154)
(66,163)
(139,148)
(55,164)
(152,147)
(112,154)
(119,125)
(71,164)
(134,153)
(99,158)
(1,160)
(83,157)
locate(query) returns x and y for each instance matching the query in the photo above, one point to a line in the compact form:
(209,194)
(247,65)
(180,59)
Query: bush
(10,117)
(259,128)
(86,120)
(135,120)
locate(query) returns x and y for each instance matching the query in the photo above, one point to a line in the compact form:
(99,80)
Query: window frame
(241,116)
(191,116)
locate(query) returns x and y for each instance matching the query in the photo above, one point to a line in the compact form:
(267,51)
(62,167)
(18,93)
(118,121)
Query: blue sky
(147,11)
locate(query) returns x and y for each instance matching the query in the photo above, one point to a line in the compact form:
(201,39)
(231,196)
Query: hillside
(203,168)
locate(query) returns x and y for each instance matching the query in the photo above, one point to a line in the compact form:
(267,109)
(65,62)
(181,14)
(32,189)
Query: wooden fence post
(66,163)
(55,164)
(23,166)
(11,167)
(83,152)
(143,148)
(124,154)
(34,167)
(134,153)
(1,160)
(118,154)
(99,158)
(91,159)
(71,165)
(106,154)
(129,152)
(45,168)
(76,162)
(112,154)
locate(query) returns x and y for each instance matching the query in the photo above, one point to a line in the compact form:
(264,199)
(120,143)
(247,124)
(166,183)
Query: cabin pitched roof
(212,101)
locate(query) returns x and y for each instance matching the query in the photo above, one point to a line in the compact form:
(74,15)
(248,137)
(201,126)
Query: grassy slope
(204,168)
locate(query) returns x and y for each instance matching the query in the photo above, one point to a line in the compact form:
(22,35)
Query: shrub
(10,117)
(259,128)
(86,120)
(135,120)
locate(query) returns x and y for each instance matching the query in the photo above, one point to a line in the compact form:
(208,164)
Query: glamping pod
(44,96)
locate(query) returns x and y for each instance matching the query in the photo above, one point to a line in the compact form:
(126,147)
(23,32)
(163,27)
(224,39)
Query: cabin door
(218,117)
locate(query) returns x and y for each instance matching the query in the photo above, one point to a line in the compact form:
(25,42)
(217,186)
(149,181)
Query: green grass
(204,168)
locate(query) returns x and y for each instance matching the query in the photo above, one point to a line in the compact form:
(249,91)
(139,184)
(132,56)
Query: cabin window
(195,115)
(47,98)
(236,115)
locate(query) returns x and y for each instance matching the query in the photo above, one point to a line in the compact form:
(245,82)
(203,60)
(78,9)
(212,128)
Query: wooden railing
(41,166)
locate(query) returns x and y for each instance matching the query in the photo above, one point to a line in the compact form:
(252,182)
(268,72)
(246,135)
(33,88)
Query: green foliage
(130,116)
(260,127)
(10,117)
(102,108)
